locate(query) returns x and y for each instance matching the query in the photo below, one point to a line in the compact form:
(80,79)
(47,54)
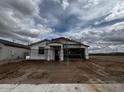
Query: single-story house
(59,49)
(10,50)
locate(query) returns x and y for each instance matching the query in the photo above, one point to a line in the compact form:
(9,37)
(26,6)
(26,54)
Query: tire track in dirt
(100,71)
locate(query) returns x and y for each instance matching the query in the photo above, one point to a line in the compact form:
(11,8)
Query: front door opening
(57,55)
(57,52)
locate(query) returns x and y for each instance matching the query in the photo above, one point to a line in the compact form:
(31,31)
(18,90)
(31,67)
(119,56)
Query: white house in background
(10,50)
(59,49)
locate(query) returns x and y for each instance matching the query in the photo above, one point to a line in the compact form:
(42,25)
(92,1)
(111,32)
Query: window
(41,50)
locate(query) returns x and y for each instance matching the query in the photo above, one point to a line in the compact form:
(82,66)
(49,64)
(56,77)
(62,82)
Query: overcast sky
(98,23)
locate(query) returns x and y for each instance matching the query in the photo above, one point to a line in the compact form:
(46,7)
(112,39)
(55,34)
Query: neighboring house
(10,50)
(58,49)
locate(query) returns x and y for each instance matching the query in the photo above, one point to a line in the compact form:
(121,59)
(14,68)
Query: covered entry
(56,50)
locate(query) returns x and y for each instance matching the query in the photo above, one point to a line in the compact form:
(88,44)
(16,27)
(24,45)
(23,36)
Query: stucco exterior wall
(8,52)
(35,55)
(34,51)
(50,55)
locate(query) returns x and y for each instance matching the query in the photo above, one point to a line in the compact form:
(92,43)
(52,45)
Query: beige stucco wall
(8,52)
(34,51)
(34,54)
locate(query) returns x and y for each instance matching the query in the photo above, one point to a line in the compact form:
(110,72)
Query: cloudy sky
(98,23)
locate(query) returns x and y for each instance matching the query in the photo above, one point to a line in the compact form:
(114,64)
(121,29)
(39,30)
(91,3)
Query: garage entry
(74,53)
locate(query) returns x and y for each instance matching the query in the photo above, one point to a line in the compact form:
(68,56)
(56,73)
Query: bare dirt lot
(97,70)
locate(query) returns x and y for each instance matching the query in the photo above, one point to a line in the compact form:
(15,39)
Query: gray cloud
(17,19)
(115,36)
(98,23)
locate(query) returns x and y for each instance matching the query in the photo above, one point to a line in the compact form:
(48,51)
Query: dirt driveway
(97,70)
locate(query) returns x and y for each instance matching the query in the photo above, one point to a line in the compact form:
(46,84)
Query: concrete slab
(61,87)
(7,87)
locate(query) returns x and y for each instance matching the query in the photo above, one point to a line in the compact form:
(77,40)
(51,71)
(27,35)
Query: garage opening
(74,53)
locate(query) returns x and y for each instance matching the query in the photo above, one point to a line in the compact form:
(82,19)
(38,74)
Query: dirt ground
(96,70)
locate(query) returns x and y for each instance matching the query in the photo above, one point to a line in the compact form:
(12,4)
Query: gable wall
(67,41)
(36,46)
(34,51)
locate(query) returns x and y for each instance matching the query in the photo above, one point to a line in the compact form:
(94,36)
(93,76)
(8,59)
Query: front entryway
(57,55)
(56,50)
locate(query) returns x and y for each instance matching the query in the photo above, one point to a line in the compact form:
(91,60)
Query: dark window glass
(41,50)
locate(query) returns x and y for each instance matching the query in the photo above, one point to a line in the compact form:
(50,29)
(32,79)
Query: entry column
(48,54)
(86,53)
(61,54)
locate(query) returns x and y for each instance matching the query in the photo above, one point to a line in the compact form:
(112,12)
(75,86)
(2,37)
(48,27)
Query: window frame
(41,51)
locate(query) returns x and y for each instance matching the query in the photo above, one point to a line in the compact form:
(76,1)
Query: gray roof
(45,40)
(56,40)
(9,43)
(71,40)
